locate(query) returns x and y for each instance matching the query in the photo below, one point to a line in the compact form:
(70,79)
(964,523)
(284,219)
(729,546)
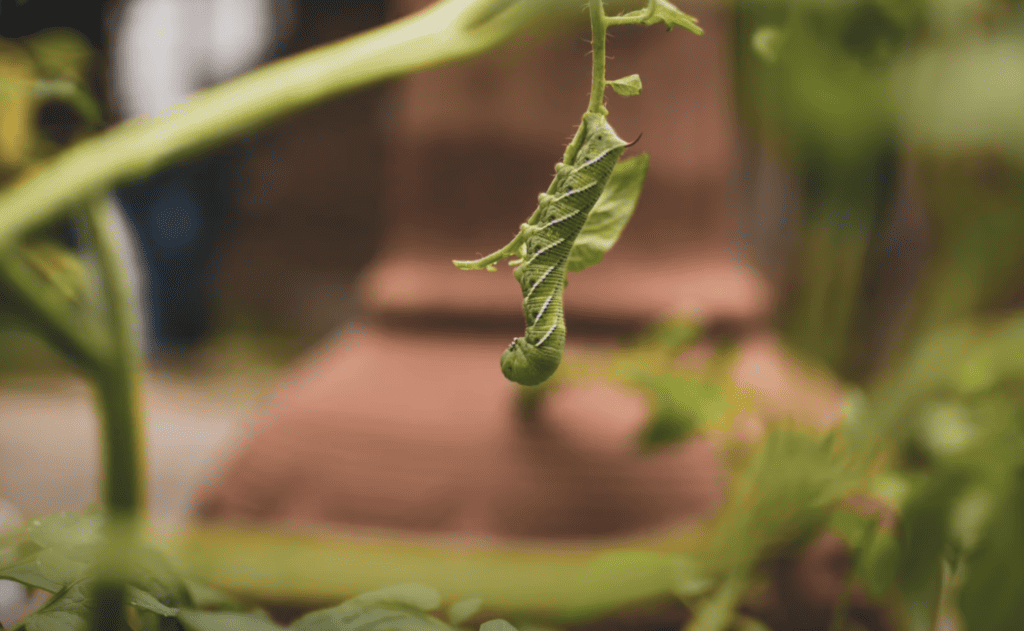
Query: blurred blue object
(162,52)
(179,216)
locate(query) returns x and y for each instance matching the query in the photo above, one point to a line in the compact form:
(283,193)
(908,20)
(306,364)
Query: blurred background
(237,263)
(830,181)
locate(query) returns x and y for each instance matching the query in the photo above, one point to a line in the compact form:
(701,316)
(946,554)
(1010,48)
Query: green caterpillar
(549,237)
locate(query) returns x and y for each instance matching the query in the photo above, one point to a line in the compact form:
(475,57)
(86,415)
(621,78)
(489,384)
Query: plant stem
(117,393)
(117,378)
(599,27)
(445,32)
(558,583)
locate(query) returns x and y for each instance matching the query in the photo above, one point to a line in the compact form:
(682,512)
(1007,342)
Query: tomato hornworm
(544,244)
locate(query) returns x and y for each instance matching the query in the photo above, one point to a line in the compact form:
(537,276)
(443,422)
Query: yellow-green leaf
(626,86)
(610,214)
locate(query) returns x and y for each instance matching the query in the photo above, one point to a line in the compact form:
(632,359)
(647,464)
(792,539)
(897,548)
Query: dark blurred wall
(20,17)
(309,214)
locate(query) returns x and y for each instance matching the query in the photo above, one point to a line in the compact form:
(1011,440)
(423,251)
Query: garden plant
(921,478)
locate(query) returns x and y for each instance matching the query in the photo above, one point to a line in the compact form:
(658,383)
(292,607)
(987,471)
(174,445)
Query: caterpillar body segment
(560,216)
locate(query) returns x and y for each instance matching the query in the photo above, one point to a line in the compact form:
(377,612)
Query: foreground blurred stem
(117,378)
(117,389)
(844,207)
(447,31)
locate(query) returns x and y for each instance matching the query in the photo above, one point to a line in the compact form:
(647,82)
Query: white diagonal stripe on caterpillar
(537,284)
(544,249)
(544,308)
(541,341)
(561,219)
(575,191)
(596,159)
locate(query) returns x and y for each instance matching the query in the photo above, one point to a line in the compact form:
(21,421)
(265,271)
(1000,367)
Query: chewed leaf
(610,214)
(627,86)
(663,11)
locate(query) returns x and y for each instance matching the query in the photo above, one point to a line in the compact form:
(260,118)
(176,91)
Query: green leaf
(194,620)
(667,425)
(610,214)
(690,579)
(626,86)
(158,577)
(497,625)
(663,11)
(47,570)
(715,613)
(990,597)
(850,526)
(349,617)
(74,534)
(32,573)
(673,335)
(205,597)
(61,52)
(464,610)
(414,595)
(147,601)
(69,610)
(879,565)
(680,403)
(60,267)
(74,95)
(766,42)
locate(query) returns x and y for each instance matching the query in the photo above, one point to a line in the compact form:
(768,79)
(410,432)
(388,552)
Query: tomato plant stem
(445,32)
(117,393)
(599,27)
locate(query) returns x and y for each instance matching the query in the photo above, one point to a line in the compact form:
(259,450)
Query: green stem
(559,583)
(445,32)
(117,394)
(599,27)
(117,378)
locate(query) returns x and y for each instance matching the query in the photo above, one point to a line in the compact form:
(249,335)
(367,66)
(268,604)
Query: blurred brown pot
(405,421)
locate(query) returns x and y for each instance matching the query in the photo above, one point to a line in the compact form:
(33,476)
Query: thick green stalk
(117,378)
(117,393)
(448,31)
(557,582)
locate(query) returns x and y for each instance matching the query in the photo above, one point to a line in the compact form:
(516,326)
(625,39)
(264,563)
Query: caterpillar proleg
(549,238)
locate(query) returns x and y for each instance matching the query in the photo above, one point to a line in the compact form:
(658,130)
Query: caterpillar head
(598,138)
(528,365)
